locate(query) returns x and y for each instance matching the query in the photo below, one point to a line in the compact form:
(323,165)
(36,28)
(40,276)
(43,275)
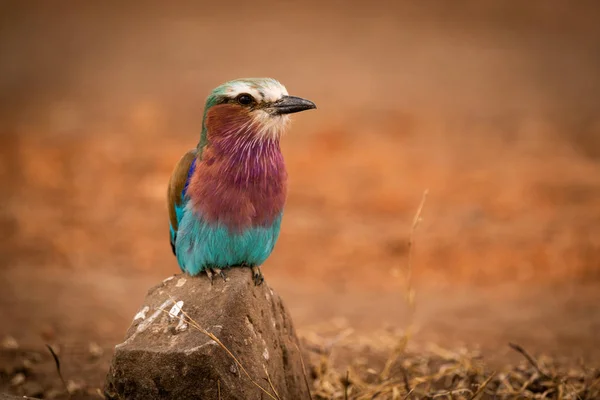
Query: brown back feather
(177,183)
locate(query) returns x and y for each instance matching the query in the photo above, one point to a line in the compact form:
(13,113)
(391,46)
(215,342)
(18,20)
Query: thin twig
(408,394)
(346,384)
(451,392)
(219,388)
(57,363)
(482,387)
(529,358)
(406,382)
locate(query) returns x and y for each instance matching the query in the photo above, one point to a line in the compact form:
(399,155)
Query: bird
(226,196)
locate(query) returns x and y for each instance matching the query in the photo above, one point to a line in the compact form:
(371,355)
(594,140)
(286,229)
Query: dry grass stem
(531,360)
(304,371)
(483,386)
(410,293)
(346,384)
(271,382)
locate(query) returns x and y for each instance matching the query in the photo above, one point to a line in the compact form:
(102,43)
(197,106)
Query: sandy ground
(558,321)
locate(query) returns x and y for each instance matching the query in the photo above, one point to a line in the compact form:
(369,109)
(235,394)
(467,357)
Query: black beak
(290,104)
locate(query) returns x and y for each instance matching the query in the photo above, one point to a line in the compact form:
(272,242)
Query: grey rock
(165,357)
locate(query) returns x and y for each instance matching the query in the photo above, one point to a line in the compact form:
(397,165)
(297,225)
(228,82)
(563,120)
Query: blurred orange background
(490,106)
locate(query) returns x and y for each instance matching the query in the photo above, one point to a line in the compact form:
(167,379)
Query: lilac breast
(240,182)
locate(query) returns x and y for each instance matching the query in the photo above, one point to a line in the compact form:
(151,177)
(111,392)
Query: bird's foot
(257,276)
(212,272)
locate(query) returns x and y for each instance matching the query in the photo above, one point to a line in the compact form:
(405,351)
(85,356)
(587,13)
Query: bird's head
(258,107)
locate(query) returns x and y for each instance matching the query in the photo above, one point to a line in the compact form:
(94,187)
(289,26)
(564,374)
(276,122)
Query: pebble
(10,343)
(18,379)
(27,365)
(95,350)
(73,386)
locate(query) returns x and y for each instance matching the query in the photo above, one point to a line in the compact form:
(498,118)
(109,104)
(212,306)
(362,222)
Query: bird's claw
(221,274)
(257,276)
(211,272)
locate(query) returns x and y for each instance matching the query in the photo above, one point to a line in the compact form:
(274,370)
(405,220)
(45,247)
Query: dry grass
(449,375)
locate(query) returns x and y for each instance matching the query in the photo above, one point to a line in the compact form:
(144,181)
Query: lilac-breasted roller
(226,196)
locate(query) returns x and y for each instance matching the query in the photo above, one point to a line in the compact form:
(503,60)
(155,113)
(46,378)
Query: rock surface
(165,357)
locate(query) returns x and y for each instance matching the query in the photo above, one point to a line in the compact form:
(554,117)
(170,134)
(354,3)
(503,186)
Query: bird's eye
(245,99)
